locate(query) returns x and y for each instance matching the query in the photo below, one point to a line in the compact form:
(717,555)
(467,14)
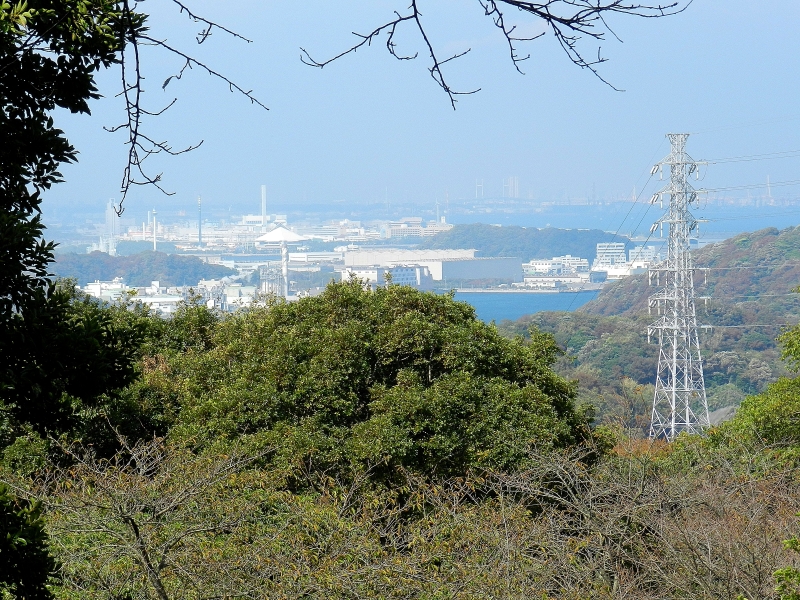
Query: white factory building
(644,254)
(417,276)
(609,255)
(443,265)
(612,260)
(558,265)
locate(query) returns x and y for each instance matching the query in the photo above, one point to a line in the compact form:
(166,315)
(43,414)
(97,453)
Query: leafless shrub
(160,521)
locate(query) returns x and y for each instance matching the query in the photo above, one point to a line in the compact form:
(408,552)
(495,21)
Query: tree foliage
(26,565)
(371,444)
(74,362)
(69,355)
(788,578)
(526,243)
(53,351)
(138,270)
(161,521)
(155,520)
(773,416)
(49,58)
(387,444)
(393,377)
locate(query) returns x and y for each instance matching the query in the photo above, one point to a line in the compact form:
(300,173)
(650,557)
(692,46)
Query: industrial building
(645,254)
(609,254)
(444,265)
(558,265)
(611,260)
(417,276)
(492,269)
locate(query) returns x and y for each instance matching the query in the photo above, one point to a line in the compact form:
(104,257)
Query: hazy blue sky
(726,69)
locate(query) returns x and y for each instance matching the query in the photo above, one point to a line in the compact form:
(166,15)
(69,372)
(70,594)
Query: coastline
(518,291)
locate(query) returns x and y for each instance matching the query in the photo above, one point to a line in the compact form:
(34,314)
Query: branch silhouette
(570,21)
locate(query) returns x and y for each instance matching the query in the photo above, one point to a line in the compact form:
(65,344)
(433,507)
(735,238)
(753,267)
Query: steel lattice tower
(680,402)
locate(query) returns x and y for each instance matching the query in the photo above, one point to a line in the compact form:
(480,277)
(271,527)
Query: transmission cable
(751,217)
(630,210)
(754,157)
(750,186)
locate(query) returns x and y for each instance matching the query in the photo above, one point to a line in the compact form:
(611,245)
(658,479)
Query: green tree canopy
(392,377)
(51,350)
(773,417)
(139,269)
(25,561)
(50,52)
(70,357)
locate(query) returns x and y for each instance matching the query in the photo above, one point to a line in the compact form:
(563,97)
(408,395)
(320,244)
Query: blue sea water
(497,306)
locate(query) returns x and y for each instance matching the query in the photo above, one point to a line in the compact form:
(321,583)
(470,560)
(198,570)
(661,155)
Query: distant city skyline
(369,128)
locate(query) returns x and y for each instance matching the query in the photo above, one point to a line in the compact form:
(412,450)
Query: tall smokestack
(263,206)
(199,222)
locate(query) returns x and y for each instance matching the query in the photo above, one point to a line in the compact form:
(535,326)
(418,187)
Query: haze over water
(372,131)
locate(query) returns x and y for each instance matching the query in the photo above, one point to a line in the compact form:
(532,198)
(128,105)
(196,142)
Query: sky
(369,128)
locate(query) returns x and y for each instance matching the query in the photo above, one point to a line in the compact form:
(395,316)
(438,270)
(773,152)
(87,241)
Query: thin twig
(570,21)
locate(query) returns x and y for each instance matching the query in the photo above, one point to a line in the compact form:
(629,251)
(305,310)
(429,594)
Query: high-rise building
(111,229)
(609,254)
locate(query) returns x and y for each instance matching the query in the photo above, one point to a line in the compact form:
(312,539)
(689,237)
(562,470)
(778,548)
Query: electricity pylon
(680,402)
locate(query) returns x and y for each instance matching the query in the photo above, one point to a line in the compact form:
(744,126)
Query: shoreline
(505,291)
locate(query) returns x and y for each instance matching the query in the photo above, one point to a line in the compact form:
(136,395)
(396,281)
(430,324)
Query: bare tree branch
(141,146)
(210,25)
(391,28)
(570,21)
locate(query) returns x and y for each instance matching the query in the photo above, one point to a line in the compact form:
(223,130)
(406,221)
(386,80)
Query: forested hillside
(362,444)
(366,444)
(751,275)
(525,243)
(137,269)
(750,282)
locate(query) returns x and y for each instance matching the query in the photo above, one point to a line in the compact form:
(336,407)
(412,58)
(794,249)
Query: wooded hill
(525,242)
(137,270)
(749,282)
(751,274)
(372,444)
(367,444)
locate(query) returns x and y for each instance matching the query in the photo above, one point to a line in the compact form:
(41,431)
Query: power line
(753,325)
(759,296)
(635,201)
(750,186)
(750,217)
(616,233)
(777,266)
(754,157)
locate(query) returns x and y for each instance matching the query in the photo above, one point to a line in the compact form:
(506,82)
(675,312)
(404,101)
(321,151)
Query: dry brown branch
(149,519)
(633,526)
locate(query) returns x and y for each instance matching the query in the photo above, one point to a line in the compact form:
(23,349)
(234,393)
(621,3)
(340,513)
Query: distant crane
(679,403)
